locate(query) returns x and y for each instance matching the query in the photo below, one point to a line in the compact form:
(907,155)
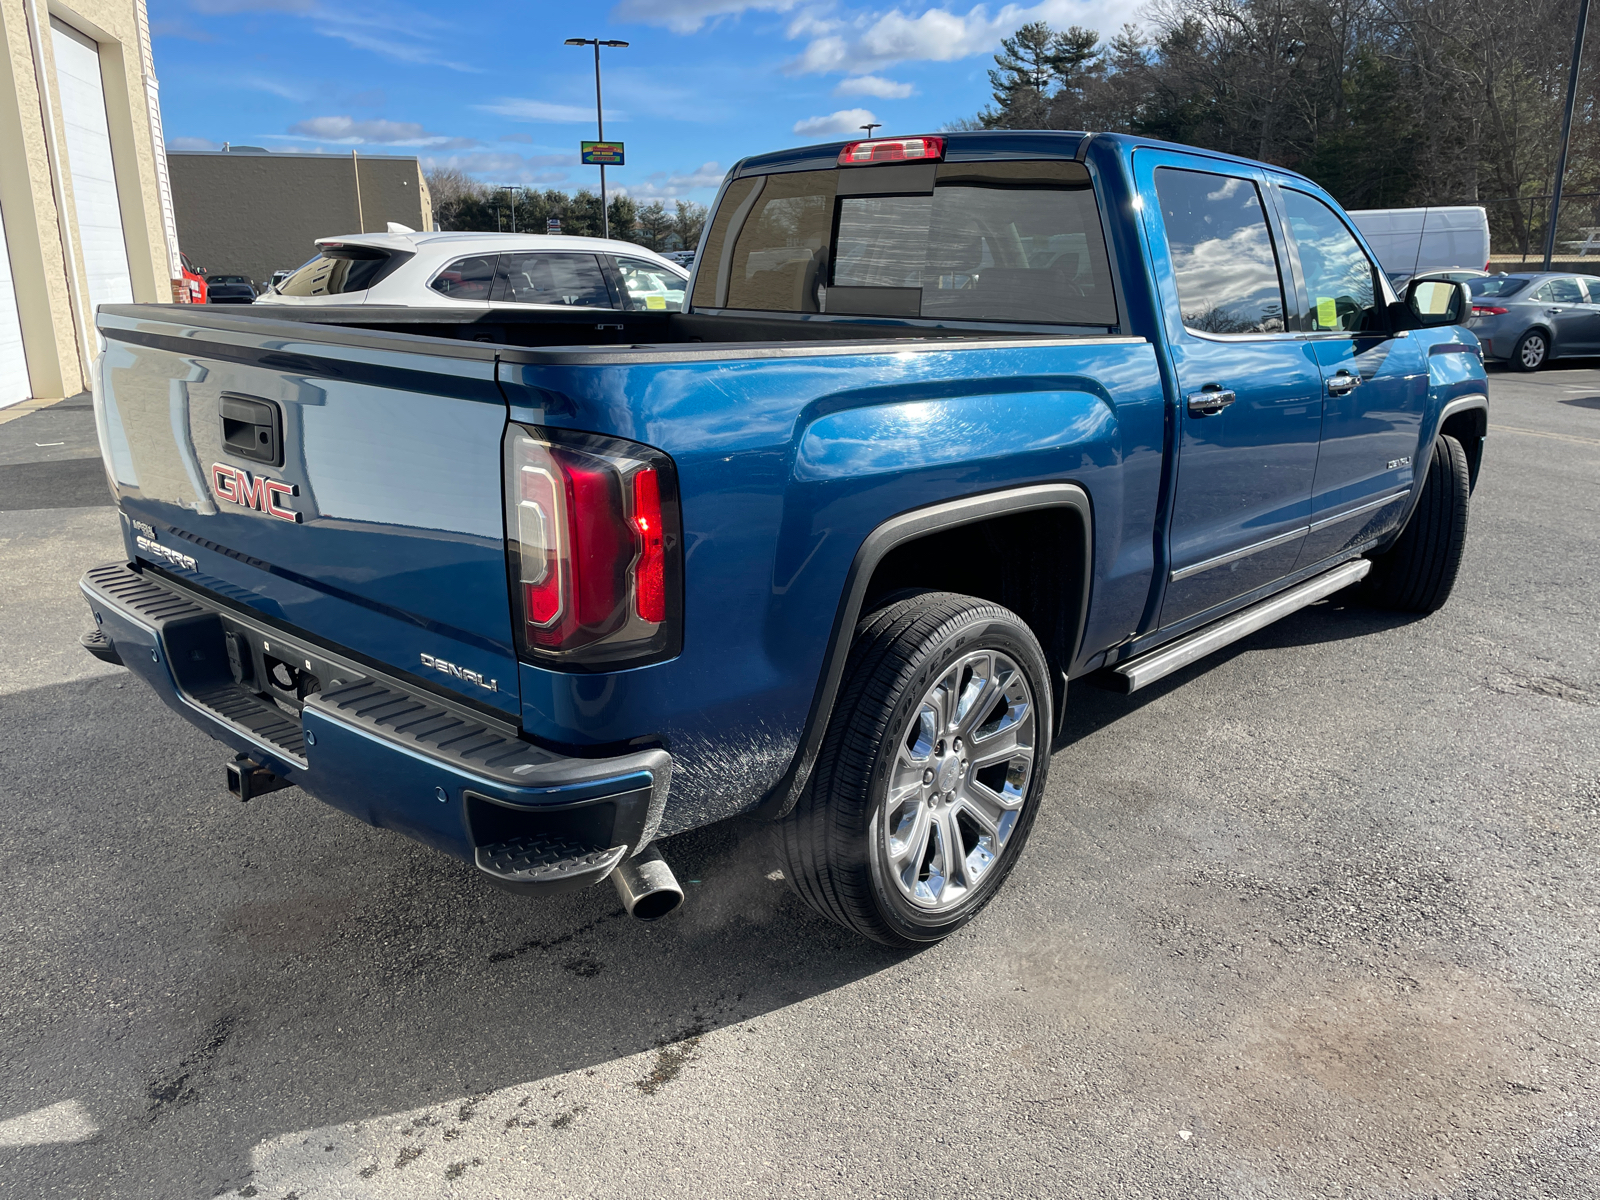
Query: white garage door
(13,367)
(94,182)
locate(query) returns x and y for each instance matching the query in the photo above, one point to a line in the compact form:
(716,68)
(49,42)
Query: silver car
(1526,320)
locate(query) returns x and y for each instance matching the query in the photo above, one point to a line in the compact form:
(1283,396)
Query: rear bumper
(378,747)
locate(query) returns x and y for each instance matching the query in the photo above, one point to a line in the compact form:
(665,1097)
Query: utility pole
(605,216)
(1566,132)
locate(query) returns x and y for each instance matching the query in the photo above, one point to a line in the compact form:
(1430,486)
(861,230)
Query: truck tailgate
(344,483)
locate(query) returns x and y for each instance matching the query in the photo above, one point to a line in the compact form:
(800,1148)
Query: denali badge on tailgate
(450,668)
(254,491)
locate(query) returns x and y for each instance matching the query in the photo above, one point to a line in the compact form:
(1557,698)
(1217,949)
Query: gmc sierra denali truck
(949,423)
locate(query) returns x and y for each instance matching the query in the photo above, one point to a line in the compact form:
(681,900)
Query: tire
(1531,352)
(916,812)
(1418,571)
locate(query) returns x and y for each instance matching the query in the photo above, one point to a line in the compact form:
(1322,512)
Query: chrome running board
(1164,660)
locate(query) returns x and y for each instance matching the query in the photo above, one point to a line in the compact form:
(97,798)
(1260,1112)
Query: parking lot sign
(601,154)
(552,225)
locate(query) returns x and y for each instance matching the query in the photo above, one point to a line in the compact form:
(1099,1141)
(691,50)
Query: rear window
(340,269)
(1015,242)
(1497,285)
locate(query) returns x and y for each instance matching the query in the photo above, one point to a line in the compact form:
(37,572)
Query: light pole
(1566,132)
(870,127)
(600,117)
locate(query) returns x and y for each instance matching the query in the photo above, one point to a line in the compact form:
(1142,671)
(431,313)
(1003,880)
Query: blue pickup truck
(949,423)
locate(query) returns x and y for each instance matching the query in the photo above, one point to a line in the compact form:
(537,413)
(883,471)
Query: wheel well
(1031,562)
(1469,427)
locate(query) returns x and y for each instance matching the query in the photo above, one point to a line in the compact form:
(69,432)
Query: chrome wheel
(960,777)
(1532,352)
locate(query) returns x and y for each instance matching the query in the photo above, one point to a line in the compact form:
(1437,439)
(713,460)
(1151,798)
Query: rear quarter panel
(785,466)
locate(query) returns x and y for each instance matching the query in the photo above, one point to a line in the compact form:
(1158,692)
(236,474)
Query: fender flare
(897,530)
(1478,400)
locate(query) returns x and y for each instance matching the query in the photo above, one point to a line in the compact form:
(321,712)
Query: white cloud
(499,167)
(874,85)
(347,131)
(686,16)
(393,33)
(190,143)
(275,87)
(542,110)
(663,185)
(875,40)
(846,120)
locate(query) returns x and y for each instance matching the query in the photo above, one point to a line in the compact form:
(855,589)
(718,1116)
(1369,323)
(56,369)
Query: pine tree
(655,226)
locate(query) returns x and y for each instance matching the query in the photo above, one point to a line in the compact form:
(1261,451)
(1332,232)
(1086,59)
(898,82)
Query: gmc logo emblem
(254,491)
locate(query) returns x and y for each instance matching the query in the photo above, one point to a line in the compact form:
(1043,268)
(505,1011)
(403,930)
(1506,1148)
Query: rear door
(1573,321)
(1249,389)
(343,483)
(551,279)
(1375,383)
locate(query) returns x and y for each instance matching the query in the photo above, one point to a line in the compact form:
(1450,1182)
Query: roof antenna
(871,126)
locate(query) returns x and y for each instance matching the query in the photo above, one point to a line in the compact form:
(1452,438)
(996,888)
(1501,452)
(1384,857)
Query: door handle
(1343,383)
(1210,400)
(1553,311)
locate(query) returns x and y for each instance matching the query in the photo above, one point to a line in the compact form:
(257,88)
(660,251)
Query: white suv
(484,270)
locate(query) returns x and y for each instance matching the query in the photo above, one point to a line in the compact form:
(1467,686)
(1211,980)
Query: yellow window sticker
(661,302)
(1327,313)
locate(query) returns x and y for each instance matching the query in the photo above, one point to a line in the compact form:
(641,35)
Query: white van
(1411,240)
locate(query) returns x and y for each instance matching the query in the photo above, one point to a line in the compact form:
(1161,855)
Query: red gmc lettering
(254,491)
(276,489)
(222,482)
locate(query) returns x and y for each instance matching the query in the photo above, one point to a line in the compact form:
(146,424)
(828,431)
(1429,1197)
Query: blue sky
(491,89)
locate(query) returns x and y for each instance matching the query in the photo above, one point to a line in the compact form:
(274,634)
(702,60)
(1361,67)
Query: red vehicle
(195,278)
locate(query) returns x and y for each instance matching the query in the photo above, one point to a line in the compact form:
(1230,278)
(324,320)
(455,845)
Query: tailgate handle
(252,428)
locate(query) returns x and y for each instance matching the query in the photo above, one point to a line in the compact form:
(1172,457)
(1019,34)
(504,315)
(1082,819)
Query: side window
(1340,287)
(1593,285)
(1564,291)
(1222,254)
(551,277)
(650,286)
(466,278)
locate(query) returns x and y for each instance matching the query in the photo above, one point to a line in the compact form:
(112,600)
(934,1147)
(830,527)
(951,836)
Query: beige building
(85,210)
(84,202)
(244,211)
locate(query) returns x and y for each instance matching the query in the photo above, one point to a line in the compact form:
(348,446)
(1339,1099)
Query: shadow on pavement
(1091,708)
(202,975)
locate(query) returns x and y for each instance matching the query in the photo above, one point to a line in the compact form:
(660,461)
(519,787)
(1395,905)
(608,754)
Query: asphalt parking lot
(1315,918)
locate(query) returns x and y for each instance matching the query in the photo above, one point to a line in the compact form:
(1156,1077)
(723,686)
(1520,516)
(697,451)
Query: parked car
(684,258)
(277,278)
(1525,320)
(194,278)
(950,421)
(230,289)
(483,271)
(1414,240)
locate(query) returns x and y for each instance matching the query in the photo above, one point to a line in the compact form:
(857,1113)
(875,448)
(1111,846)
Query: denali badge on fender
(449,668)
(254,491)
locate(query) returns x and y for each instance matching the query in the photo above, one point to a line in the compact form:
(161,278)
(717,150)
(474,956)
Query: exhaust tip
(648,888)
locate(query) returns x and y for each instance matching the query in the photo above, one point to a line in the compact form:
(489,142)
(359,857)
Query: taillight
(880,150)
(592,543)
(1489,310)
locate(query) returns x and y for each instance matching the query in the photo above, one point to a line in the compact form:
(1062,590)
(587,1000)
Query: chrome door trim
(1223,560)
(1324,522)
